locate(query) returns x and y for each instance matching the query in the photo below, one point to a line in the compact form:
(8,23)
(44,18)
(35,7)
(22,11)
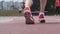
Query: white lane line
(4,20)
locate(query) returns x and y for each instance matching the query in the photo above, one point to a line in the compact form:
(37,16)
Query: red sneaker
(28,16)
(41,18)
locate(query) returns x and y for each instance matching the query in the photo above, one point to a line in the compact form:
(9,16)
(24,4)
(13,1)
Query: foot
(28,16)
(41,18)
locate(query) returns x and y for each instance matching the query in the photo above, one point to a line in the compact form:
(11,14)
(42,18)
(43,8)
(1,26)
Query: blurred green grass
(14,13)
(10,13)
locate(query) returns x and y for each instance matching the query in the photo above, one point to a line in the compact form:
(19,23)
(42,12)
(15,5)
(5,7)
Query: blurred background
(15,7)
(10,7)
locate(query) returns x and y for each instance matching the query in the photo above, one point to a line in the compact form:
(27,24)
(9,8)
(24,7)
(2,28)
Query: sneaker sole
(42,21)
(27,17)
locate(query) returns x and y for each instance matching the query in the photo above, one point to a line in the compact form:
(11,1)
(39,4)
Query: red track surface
(18,26)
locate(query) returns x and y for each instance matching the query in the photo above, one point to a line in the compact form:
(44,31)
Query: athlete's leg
(42,5)
(27,12)
(42,8)
(28,3)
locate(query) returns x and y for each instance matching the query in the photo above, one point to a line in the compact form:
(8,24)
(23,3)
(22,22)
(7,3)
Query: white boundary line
(6,20)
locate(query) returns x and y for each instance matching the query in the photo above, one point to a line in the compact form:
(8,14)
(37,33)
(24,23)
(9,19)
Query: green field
(9,13)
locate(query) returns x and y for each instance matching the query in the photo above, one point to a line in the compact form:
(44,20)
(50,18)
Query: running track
(18,26)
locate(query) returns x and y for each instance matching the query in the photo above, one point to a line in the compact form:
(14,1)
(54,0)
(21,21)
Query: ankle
(27,8)
(41,13)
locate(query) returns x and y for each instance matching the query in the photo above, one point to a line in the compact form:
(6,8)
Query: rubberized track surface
(18,26)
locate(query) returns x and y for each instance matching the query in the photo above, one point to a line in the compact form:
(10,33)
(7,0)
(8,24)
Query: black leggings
(57,10)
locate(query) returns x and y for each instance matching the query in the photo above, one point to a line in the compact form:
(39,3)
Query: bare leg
(42,5)
(42,8)
(28,3)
